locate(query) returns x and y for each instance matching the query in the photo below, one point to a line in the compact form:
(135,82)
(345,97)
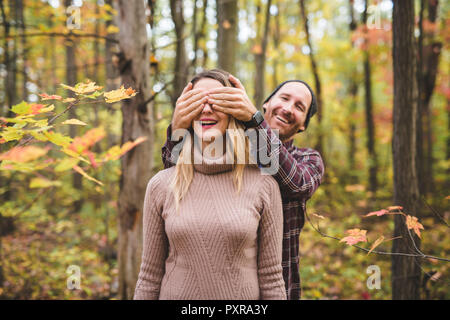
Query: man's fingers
(190,93)
(188,87)
(236,82)
(192,98)
(225,103)
(229,90)
(193,106)
(230,111)
(225,96)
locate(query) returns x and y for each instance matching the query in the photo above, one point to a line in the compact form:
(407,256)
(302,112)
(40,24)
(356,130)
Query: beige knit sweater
(220,245)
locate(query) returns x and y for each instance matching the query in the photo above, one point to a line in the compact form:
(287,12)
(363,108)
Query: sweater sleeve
(155,243)
(299,174)
(270,237)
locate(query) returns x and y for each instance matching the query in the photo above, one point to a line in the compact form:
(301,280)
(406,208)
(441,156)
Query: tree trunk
(373,162)
(276,44)
(260,59)
(9,62)
(429,50)
(353,94)
(406,272)
(111,68)
(95,73)
(317,82)
(227,20)
(71,80)
(203,35)
(137,164)
(20,25)
(181,65)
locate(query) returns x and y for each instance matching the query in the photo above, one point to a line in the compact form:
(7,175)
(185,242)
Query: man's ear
(264,107)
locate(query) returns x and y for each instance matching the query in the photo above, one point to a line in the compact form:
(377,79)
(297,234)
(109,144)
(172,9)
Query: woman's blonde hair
(237,147)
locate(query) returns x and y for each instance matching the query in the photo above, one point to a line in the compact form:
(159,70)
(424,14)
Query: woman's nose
(207,107)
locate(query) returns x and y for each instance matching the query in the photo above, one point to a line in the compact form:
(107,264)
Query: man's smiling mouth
(282,120)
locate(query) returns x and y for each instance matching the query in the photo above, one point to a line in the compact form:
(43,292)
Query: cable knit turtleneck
(220,245)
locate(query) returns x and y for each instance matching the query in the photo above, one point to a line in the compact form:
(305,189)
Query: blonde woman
(213,223)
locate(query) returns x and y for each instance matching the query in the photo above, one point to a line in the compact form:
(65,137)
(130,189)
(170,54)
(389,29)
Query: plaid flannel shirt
(299,175)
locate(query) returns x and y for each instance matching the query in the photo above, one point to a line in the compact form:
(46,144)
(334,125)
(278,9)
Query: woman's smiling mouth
(207,123)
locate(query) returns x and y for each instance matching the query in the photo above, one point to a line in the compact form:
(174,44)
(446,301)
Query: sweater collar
(208,165)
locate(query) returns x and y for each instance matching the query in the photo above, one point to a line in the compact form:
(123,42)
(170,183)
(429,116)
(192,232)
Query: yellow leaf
(66,164)
(84,174)
(47,109)
(74,154)
(43,183)
(74,121)
(376,243)
(119,94)
(83,87)
(58,139)
(112,29)
(318,216)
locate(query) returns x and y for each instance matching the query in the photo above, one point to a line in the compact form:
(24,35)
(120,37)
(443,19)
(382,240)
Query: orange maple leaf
(355,236)
(377,213)
(52,97)
(413,223)
(395,208)
(35,108)
(91,137)
(24,154)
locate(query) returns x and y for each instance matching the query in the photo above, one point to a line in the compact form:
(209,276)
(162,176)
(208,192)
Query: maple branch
(420,255)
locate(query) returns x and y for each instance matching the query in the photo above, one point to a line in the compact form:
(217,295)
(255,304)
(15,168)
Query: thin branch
(66,35)
(421,255)
(434,211)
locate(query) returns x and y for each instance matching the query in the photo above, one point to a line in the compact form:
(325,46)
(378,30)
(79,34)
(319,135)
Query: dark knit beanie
(312,108)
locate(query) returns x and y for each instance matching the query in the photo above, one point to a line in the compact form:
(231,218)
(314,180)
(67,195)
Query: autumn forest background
(87,90)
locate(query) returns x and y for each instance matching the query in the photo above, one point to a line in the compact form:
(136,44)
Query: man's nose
(287,107)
